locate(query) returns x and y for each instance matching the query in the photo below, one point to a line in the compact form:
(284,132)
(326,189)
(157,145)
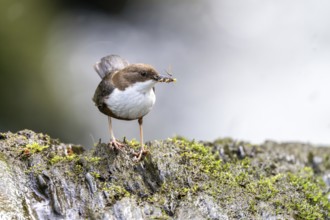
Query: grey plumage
(110,64)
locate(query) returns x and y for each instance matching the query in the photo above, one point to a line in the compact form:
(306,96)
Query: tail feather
(110,64)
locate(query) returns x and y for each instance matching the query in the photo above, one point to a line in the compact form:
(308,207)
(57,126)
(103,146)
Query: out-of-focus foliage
(25,98)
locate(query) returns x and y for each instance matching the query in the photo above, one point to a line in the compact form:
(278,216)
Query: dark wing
(110,64)
(102,92)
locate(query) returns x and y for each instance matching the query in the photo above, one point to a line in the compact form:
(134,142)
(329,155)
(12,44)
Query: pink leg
(138,156)
(113,140)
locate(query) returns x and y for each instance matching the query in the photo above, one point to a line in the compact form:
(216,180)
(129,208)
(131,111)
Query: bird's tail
(110,64)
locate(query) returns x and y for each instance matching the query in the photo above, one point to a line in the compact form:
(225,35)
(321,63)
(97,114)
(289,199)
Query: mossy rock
(178,179)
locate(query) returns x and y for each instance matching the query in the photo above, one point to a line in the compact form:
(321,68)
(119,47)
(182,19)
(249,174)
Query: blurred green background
(26,102)
(26,99)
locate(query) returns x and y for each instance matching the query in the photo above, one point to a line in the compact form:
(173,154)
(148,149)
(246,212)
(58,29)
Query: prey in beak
(166,79)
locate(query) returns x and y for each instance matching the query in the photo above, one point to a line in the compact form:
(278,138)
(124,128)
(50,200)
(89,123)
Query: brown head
(137,73)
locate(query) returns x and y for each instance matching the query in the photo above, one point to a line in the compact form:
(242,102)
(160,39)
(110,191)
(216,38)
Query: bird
(126,92)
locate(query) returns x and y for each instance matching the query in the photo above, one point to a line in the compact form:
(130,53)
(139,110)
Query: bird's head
(139,73)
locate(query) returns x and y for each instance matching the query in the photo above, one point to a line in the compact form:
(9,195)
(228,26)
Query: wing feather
(109,64)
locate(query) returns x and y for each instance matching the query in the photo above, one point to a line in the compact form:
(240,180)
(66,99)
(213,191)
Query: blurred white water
(252,70)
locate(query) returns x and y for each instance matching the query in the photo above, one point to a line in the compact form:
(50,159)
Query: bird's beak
(165,79)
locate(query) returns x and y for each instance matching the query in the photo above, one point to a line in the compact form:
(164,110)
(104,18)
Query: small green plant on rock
(115,193)
(94,160)
(30,149)
(56,158)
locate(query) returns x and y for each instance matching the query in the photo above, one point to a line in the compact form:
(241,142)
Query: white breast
(134,102)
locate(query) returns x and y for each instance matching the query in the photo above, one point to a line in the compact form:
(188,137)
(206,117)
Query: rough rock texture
(42,178)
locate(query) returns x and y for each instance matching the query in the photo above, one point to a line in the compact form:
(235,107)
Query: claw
(138,156)
(117,145)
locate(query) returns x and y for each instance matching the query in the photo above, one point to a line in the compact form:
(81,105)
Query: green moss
(35,148)
(314,202)
(265,188)
(56,158)
(115,192)
(133,144)
(242,178)
(2,157)
(250,182)
(252,206)
(96,175)
(201,157)
(307,211)
(94,160)
(203,169)
(78,169)
(36,169)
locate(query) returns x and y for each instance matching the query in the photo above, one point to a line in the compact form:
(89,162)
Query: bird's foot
(117,145)
(138,156)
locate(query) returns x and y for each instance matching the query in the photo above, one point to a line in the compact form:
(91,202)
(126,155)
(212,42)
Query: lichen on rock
(43,178)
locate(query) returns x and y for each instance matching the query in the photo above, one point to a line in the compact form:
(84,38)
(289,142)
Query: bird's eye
(143,74)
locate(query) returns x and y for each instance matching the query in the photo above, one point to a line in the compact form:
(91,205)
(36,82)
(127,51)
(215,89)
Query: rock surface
(42,178)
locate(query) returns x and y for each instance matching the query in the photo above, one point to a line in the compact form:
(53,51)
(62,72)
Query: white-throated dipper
(126,92)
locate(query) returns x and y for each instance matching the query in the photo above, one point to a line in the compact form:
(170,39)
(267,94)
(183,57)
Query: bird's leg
(113,140)
(142,151)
